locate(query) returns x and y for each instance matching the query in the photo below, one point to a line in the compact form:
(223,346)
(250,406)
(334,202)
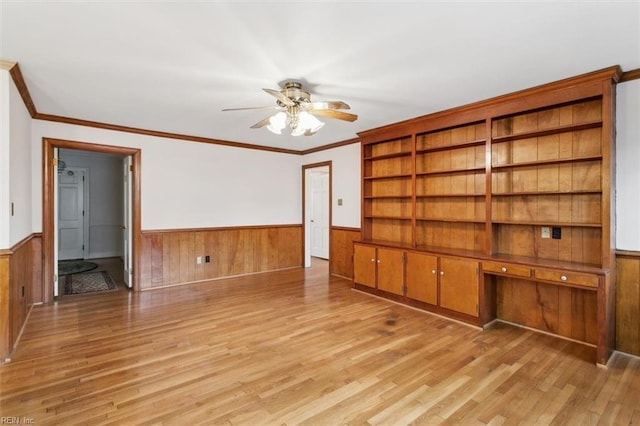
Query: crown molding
(16,74)
(6,65)
(630,75)
(147,132)
(18,79)
(330,146)
(188,138)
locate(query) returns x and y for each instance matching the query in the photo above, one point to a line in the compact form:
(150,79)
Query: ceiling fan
(298,112)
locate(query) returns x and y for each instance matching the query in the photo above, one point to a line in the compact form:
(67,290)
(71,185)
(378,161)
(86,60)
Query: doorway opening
(70,243)
(316,207)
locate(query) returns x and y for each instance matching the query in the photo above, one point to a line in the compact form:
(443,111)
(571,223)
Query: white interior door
(70,214)
(319,222)
(127,234)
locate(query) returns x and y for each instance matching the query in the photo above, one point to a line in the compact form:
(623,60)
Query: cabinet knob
(433,271)
(504,269)
(441,272)
(563,277)
(378,260)
(372,259)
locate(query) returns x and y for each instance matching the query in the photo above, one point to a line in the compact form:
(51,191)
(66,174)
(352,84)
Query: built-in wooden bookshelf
(546,171)
(450,187)
(520,188)
(387,205)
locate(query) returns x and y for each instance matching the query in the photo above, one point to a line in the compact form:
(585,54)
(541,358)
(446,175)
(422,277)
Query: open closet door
(56,227)
(127,229)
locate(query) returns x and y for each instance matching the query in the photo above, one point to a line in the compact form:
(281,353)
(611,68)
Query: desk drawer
(567,277)
(507,269)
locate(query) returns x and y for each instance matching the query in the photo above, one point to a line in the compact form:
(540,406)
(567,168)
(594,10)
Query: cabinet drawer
(507,269)
(566,277)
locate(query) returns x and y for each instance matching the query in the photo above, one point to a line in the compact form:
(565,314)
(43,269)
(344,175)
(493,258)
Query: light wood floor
(298,347)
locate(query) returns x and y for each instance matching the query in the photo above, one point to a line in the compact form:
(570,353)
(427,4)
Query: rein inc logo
(6,420)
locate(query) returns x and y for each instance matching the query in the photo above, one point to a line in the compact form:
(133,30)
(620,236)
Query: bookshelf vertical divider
(413,191)
(488,241)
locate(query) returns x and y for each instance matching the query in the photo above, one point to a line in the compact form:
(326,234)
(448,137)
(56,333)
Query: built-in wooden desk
(569,300)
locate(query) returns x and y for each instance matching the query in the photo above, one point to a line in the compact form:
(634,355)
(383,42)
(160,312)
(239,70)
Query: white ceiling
(173,66)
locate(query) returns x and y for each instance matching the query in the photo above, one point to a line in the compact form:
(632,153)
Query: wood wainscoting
(341,256)
(169,257)
(628,302)
(20,288)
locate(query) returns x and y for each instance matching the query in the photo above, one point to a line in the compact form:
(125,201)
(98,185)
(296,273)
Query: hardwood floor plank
(298,346)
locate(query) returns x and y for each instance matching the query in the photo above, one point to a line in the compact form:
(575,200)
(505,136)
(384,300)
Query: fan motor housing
(293,90)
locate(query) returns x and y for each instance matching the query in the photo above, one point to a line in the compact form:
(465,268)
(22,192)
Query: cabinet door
(364,265)
(422,277)
(459,280)
(390,270)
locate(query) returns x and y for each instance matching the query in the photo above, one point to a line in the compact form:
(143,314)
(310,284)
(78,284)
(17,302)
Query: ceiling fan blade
(261,123)
(279,96)
(334,114)
(329,105)
(245,108)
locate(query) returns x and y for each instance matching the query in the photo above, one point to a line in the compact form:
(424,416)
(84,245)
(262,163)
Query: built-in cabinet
(379,267)
(459,285)
(467,209)
(417,278)
(421,277)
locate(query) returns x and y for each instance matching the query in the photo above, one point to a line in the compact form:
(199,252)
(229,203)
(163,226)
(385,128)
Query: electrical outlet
(339,201)
(198,260)
(546,232)
(556,233)
(207,259)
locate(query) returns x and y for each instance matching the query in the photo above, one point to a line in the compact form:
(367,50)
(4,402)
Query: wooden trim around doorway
(304,193)
(48,169)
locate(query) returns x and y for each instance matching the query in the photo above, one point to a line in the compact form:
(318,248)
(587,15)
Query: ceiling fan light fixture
(277,123)
(298,112)
(307,124)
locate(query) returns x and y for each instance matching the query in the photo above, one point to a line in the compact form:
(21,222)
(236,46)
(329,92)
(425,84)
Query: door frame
(305,238)
(48,169)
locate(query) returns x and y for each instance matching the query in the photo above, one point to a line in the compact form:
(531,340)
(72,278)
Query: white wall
(4,158)
(193,185)
(346,182)
(105,204)
(20,167)
(628,166)
(15,164)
